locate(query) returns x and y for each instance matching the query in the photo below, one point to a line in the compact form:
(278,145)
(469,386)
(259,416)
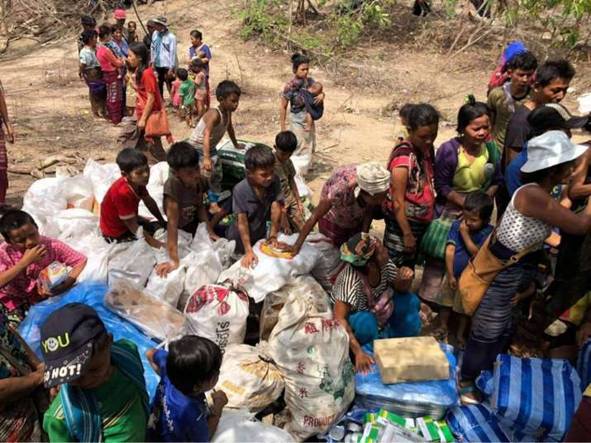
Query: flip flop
(469,395)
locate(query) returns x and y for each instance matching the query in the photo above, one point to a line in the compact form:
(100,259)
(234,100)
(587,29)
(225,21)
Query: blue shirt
(405,320)
(176,416)
(513,172)
(462,255)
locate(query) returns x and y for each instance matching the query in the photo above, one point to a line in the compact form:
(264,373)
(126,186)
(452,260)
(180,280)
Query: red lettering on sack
(310,328)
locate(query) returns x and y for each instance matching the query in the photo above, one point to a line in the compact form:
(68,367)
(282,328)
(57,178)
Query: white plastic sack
(184,240)
(78,192)
(219,314)
(271,273)
(133,261)
(239,427)
(96,250)
(101,177)
(585,103)
(158,176)
(75,224)
(169,288)
(249,380)
(329,262)
(42,200)
(301,163)
(311,350)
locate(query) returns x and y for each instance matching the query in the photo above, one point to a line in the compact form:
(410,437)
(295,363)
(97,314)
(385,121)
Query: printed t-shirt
(120,406)
(189,200)
(120,203)
(286,173)
(148,84)
(176,416)
(462,255)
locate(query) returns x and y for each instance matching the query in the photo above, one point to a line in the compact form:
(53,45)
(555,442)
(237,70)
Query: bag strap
(515,258)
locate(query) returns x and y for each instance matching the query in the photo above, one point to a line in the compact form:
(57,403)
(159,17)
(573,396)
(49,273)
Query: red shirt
(147,84)
(120,203)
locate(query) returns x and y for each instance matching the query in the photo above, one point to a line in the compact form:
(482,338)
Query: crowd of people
(497,217)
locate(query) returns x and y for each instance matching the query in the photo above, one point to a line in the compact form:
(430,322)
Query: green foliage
(259,18)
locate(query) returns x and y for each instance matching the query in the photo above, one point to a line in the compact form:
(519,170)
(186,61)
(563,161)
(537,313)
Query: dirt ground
(49,106)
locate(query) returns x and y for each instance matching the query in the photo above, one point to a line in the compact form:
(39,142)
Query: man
(163,53)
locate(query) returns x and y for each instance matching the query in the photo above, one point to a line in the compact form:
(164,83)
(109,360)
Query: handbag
(435,238)
(157,125)
(482,269)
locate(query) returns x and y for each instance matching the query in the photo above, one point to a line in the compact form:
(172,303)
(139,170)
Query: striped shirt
(349,286)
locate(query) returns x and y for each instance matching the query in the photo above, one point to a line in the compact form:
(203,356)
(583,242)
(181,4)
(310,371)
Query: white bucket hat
(551,149)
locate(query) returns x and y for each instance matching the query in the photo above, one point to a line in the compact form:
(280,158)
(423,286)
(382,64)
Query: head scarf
(373,178)
(358,249)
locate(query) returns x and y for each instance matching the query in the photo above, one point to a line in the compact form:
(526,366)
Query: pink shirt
(23,289)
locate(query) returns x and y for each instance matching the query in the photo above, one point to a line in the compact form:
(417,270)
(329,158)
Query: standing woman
(90,72)
(410,206)
(148,101)
(5,121)
(110,66)
(297,116)
(526,223)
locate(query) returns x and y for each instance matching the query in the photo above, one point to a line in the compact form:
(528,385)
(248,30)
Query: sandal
(469,395)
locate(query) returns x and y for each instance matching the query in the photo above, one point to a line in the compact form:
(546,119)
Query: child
(22,258)
(255,200)
(201,51)
(502,100)
(131,32)
(314,110)
(174,92)
(285,145)
(464,239)
(208,133)
(186,96)
(198,70)
(119,220)
(183,200)
(190,368)
(102,393)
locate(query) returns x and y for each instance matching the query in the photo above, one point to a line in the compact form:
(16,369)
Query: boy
(190,368)
(464,239)
(187,91)
(285,145)
(314,110)
(551,83)
(502,100)
(22,258)
(102,395)
(183,200)
(119,220)
(210,130)
(254,200)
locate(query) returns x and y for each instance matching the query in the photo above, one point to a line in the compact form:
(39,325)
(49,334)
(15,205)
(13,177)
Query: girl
(198,68)
(110,66)
(410,206)
(4,121)
(90,71)
(148,101)
(527,222)
(291,95)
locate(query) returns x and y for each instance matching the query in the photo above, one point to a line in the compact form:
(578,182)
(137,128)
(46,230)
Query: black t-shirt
(518,129)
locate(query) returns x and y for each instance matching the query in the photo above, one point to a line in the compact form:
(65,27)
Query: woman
(348,201)
(90,71)
(22,398)
(362,296)
(9,136)
(148,101)
(410,206)
(110,66)
(527,222)
(464,164)
(292,95)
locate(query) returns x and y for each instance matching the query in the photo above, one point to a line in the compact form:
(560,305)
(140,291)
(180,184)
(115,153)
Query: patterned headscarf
(358,249)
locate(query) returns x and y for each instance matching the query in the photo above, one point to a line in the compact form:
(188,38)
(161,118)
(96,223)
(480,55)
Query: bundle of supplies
(52,276)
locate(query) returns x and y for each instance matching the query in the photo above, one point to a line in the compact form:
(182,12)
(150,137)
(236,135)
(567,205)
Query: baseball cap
(554,115)
(551,149)
(119,14)
(67,339)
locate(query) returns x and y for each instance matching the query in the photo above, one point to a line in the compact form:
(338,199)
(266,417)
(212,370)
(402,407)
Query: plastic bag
(271,273)
(239,427)
(43,200)
(158,176)
(272,306)
(412,399)
(151,315)
(169,288)
(101,177)
(132,261)
(96,250)
(249,380)
(78,192)
(311,350)
(475,423)
(75,224)
(585,103)
(329,263)
(219,314)
(91,294)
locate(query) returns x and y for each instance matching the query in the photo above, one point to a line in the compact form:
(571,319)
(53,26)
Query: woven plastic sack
(471,423)
(584,364)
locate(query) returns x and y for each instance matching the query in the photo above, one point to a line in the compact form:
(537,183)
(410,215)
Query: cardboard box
(410,359)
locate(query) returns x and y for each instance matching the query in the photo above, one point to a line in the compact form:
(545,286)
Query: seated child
(314,110)
(285,145)
(186,96)
(200,79)
(22,258)
(183,200)
(102,393)
(255,200)
(465,237)
(119,220)
(190,368)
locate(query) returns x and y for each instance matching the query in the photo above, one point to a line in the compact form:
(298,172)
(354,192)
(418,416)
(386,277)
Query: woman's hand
(410,243)
(363,362)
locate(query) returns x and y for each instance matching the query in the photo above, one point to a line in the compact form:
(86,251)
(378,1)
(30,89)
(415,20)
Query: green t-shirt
(120,402)
(187,92)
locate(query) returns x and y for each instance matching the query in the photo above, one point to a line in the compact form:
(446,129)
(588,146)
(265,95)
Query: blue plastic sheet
(91,294)
(413,399)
